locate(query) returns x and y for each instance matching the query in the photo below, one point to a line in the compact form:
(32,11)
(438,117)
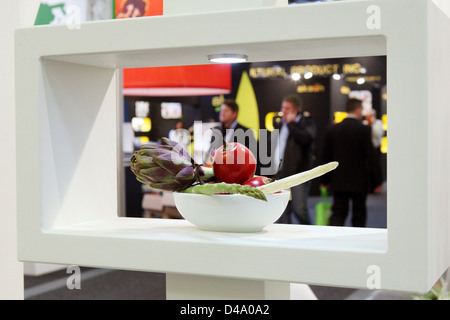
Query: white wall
(19,13)
(444,5)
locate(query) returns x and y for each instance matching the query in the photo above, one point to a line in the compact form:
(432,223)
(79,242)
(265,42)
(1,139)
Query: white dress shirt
(230,131)
(281,145)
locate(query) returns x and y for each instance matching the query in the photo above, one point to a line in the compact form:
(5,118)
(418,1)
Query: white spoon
(298,178)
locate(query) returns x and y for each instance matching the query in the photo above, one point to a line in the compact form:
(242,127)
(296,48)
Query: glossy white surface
(67,145)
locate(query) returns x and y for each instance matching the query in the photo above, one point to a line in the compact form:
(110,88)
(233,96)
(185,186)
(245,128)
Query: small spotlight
(308,75)
(336,76)
(227,58)
(360,81)
(296,76)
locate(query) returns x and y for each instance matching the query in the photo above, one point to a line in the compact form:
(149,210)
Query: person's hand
(289,117)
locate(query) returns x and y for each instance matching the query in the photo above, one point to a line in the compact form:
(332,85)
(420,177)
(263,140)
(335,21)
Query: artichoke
(168,167)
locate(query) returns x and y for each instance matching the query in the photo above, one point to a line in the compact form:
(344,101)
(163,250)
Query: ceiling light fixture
(228,58)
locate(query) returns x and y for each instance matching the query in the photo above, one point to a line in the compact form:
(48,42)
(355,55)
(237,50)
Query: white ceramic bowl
(231,212)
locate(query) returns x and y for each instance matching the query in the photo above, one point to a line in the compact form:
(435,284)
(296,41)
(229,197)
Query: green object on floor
(323,208)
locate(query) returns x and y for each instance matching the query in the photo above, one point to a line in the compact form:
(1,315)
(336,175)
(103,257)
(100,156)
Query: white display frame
(67,145)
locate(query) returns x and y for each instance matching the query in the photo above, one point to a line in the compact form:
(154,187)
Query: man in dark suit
(229,111)
(232,130)
(349,142)
(294,148)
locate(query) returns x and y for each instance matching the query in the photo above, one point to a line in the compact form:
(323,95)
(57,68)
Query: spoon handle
(298,178)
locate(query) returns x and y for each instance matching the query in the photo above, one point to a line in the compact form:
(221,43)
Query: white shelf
(336,239)
(68,162)
(176,246)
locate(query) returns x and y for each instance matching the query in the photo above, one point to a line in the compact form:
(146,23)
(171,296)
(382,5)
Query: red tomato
(257,181)
(234,164)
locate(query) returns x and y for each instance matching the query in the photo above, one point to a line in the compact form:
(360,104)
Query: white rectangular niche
(67,96)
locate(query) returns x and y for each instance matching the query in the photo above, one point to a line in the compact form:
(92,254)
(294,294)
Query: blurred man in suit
(229,111)
(294,149)
(350,143)
(231,130)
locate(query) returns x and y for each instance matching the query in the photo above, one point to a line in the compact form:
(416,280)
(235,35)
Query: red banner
(200,76)
(182,80)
